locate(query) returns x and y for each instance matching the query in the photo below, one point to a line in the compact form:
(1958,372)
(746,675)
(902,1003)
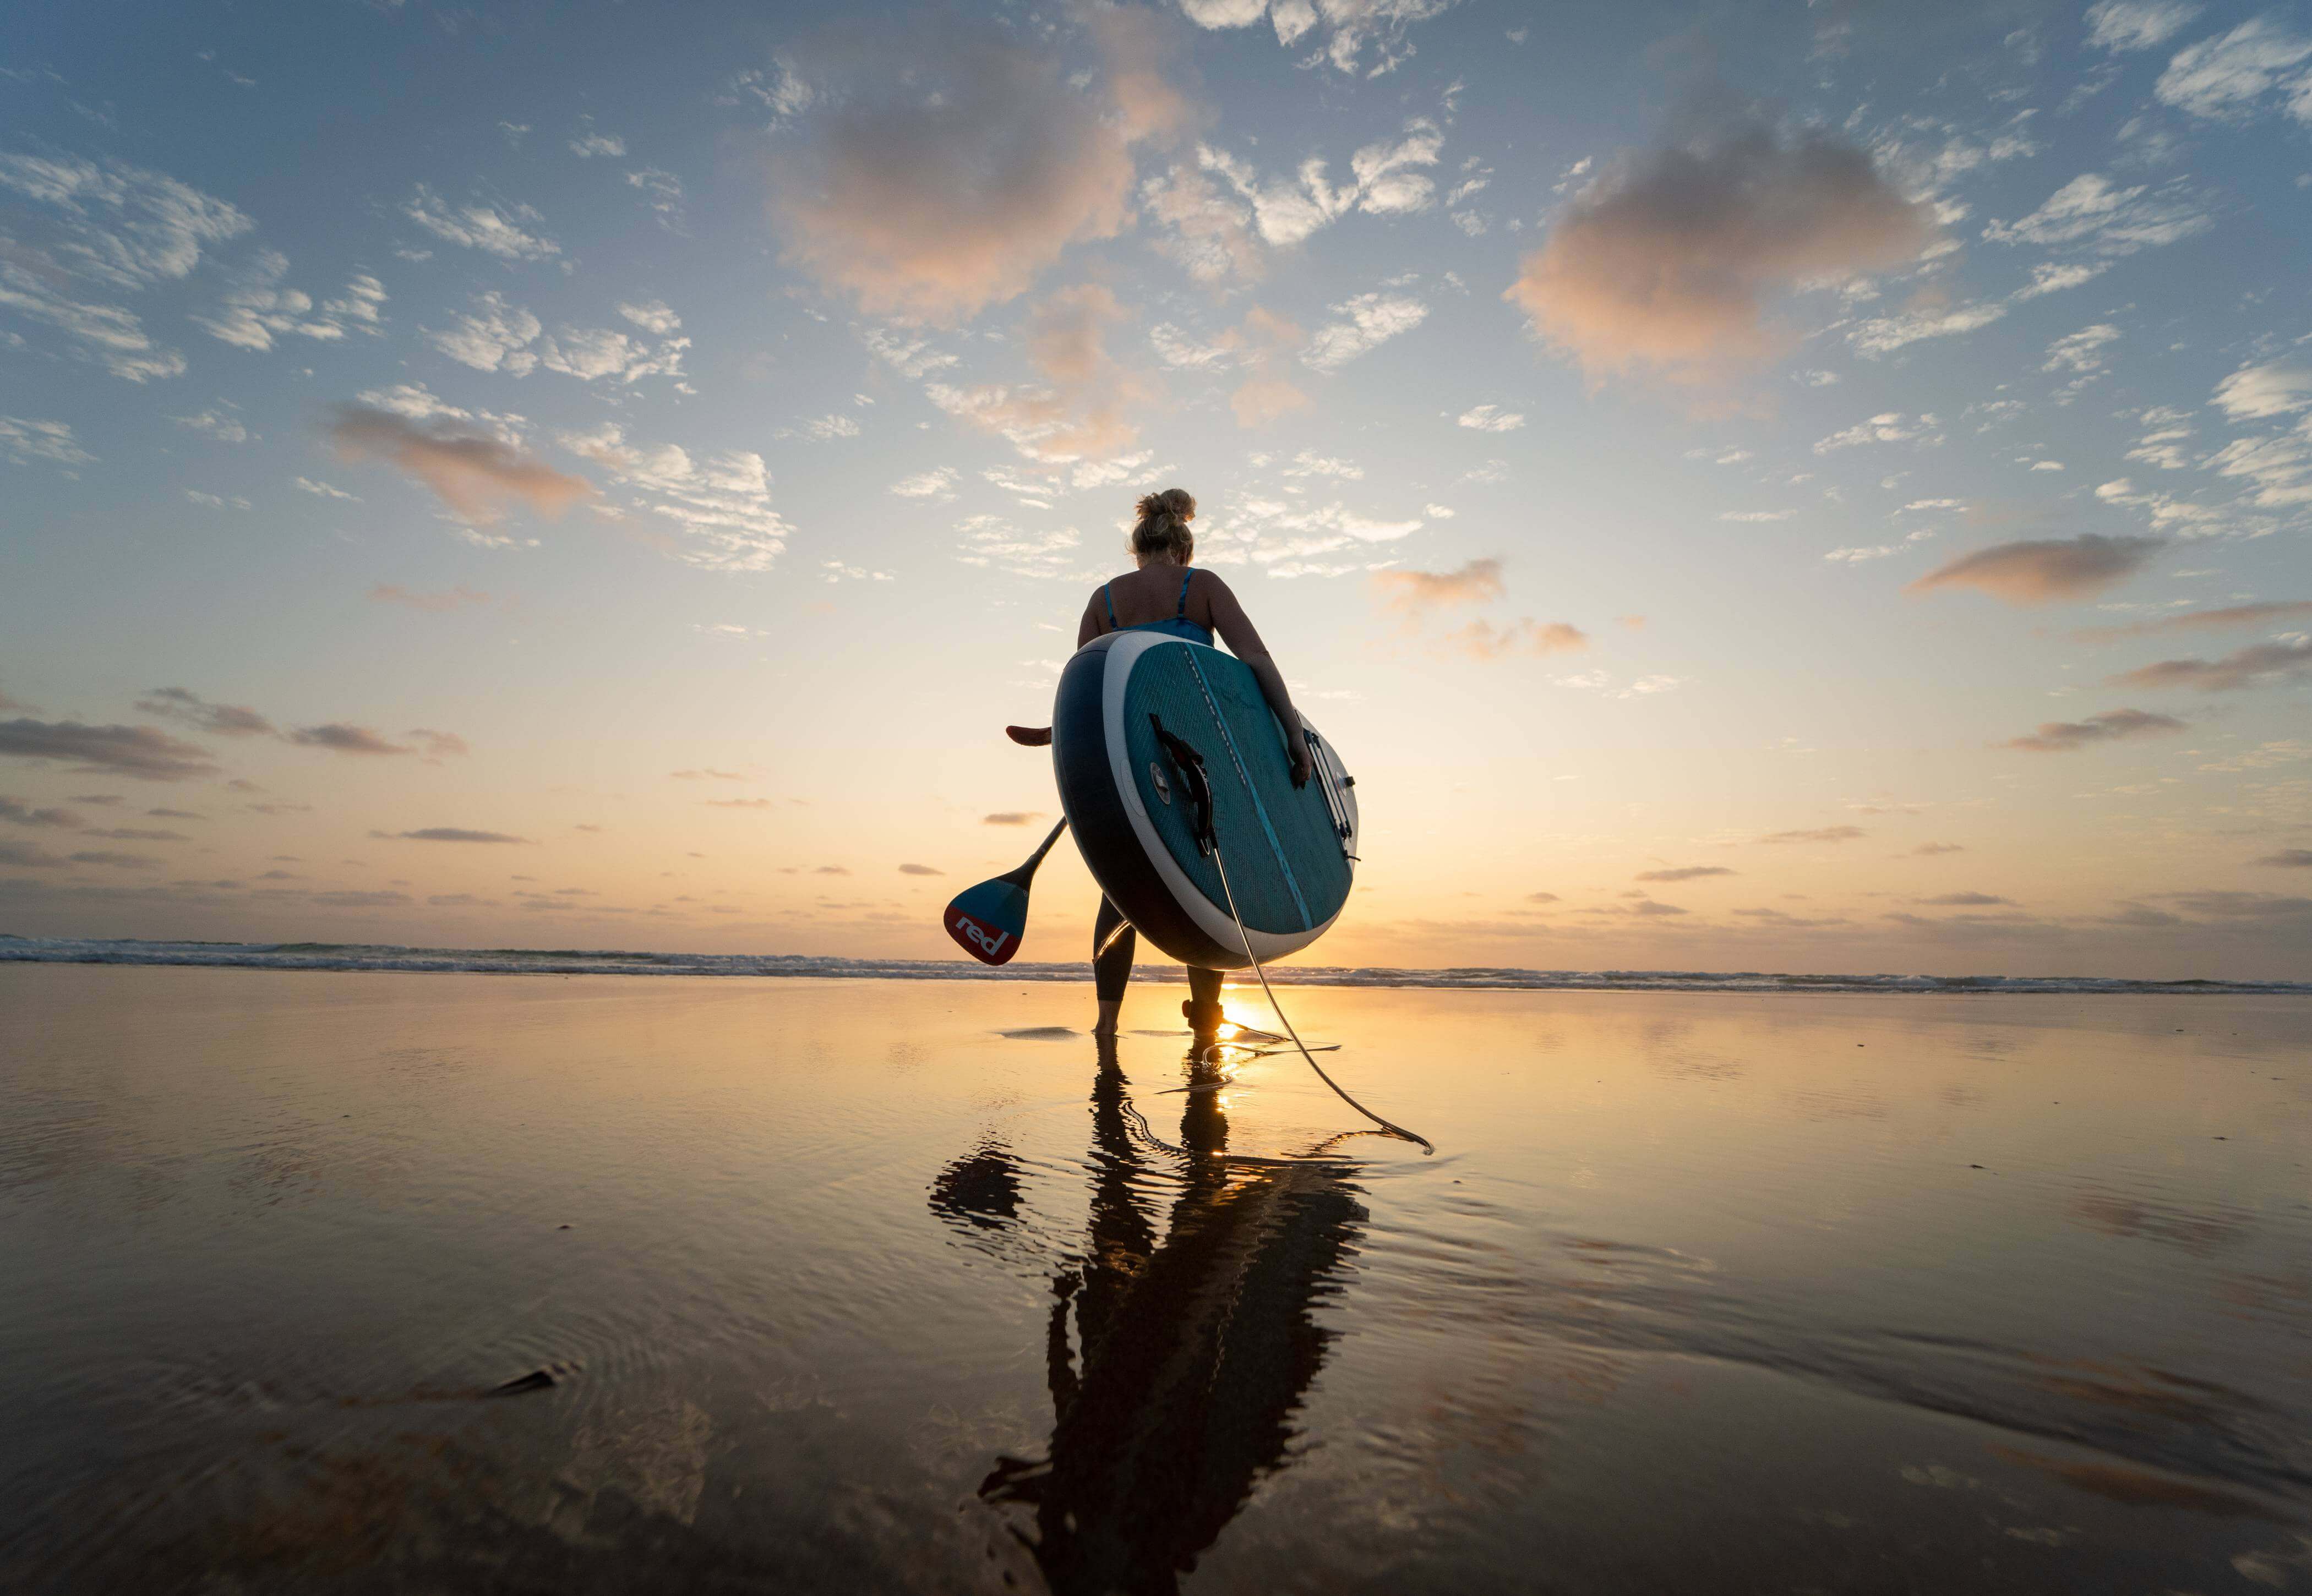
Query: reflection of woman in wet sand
(1190,1357)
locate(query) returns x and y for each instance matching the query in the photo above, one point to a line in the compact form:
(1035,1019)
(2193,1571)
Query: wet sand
(905,1286)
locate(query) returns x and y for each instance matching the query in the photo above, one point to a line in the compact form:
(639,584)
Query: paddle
(988,920)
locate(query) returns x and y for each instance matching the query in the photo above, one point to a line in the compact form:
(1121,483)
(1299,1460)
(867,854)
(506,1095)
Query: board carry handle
(1191,766)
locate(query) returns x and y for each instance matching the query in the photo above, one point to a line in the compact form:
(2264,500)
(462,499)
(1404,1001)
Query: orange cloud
(951,167)
(1668,263)
(1412,592)
(473,475)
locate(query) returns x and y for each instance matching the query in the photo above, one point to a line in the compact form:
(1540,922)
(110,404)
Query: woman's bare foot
(1105,1026)
(1029,736)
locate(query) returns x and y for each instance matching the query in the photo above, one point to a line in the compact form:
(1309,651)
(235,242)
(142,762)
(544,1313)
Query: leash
(1191,766)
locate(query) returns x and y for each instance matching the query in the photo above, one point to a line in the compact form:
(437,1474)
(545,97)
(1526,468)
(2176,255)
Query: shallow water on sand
(871,1286)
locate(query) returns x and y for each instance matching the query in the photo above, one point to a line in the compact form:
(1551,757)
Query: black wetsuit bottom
(1111,962)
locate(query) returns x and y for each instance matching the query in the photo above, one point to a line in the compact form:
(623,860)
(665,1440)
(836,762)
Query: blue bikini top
(1176,625)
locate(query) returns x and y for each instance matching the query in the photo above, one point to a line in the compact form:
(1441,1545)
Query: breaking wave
(550,961)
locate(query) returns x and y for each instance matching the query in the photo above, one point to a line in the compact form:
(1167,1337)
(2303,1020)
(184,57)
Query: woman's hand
(1303,763)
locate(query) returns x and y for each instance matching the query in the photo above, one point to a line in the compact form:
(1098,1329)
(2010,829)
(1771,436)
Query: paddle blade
(988,920)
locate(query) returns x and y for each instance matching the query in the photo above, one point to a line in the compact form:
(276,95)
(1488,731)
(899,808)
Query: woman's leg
(1113,944)
(1203,1005)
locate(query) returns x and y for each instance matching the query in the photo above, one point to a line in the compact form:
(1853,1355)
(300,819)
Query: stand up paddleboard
(1291,851)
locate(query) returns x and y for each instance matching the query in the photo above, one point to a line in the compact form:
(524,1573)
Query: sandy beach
(907,1286)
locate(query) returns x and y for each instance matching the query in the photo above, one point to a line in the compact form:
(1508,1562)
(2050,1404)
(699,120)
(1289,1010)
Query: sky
(1758,486)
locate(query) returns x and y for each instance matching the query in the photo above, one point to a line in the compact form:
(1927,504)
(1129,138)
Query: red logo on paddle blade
(989,947)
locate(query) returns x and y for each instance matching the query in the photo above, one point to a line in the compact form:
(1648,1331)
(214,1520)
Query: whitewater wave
(549,961)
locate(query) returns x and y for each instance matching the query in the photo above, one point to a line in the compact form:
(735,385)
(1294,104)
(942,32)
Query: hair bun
(1151,507)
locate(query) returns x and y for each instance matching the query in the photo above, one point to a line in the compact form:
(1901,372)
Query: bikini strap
(1104,593)
(1182,613)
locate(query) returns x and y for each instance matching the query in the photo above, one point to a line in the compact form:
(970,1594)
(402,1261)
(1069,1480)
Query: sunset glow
(1822,494)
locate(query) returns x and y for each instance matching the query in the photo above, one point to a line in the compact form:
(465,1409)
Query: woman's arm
(1237,630)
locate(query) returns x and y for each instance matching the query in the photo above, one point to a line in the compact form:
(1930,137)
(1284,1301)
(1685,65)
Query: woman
(1165,594)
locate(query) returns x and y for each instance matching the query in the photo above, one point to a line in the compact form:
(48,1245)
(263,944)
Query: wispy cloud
(2040,570)
(478,226)
(2064,736)
(446,833)
(138,751)
(2257,665)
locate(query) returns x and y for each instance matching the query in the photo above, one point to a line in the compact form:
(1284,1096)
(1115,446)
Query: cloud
(935,174)
(1490,418)
(322,490)
(23,814)
(2091,212)
(2049,277)
(1826,834)
(24,855)
(652,316)
(2081,350)
(1366,321)
(231,721)
(138,751)
(214,422)
(2258,663)
(490,337)
(2257,392)
(257,310)
(1206,232)
(118,861)
(1415,592)
(473,475)
(740,803)
(720,504)
(1386,177)
(1684,873)
(919,870)
(89,231)
(341,738)
(2223,77)
(446,833)
(1481,640)
(1348,26)
(24,440)
(937,483)
(2063,737)
(2137,24)
(1966,901)
(590,143)
(2289,859)
(1266,394)
(2203,620)
(442,603)
(481,227)
(1928,849)
(1012,817)
(1929,315)
(1078,410)
(2040,570)
(1669,261)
